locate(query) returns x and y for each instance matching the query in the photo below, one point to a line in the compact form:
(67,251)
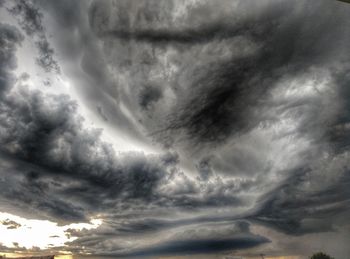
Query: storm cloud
(186,127)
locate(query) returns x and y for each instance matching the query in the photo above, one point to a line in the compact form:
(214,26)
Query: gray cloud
(199,246)
(245,105)
(30,19)
(224,236)
(68,172)
(10,39)
(217,94)
(44,133)
(307,201)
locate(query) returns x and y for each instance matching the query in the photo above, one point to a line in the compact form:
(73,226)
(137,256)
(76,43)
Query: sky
(175,128)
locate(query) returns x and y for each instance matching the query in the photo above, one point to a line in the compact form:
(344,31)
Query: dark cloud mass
(31,21)
(200,246)
(9,41)
(187,127)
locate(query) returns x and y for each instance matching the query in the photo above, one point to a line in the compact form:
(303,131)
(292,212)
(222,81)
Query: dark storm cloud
(208,117)
(200,80)
(306,203)
(83,53)
(183,37)
(153,22)
(74,173)
(10,39)
(34,196)
(30,19)
(204,168)
(216,98)
(45,133)
(213,113)
(200,238)
(183,247)
(46,56)
(338,134)
(146,225)
(230,97)
(53,139)
(314,198)
(66,171)
(108,239)
(149,95)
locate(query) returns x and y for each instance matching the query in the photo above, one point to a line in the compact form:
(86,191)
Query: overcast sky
(175,128)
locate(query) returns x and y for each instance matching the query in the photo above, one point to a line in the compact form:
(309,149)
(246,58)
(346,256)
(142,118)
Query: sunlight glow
(16,231)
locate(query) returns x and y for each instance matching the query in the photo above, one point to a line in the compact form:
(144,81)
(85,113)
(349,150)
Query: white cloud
(44,234)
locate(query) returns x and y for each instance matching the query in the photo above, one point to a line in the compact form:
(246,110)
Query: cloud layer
(238,110)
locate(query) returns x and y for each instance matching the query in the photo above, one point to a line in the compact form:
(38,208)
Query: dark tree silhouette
(321,255)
